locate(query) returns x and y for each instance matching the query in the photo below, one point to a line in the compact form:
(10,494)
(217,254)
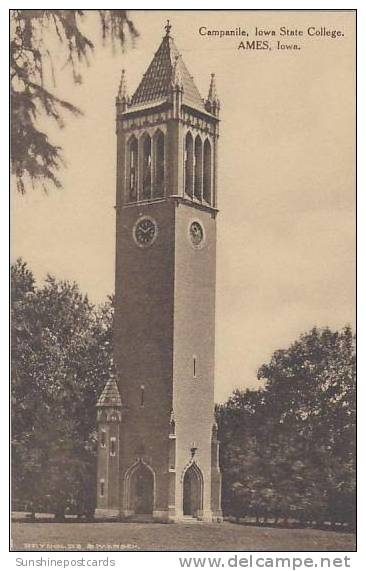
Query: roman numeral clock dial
(145,231)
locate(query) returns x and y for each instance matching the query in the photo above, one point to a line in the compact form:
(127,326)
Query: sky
(286,190)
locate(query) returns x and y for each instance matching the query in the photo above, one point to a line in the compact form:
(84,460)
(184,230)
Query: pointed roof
(110,395)
(122,90)
(212,92)
(166,70)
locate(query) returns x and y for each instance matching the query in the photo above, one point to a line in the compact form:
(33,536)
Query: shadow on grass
(327,526)
(81,520)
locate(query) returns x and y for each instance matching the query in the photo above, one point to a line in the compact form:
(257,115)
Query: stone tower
(158,448)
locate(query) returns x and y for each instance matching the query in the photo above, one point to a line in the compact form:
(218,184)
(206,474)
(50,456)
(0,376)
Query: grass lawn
(173,537)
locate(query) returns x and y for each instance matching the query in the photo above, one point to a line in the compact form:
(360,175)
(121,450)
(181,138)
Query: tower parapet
(167,134)
(212,103)
(122,99)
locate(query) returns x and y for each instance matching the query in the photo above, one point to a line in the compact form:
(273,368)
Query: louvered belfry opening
(207,166)
(159,164)
(146,167)
(132,166)
(188,165)
(198,168)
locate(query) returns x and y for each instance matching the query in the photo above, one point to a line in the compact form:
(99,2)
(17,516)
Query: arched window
(132,169)
(207,171)
(159,164)
(172,423)
(146,167)
(198,168)
(188,165)
(102,438)
(194,367)
(113,446)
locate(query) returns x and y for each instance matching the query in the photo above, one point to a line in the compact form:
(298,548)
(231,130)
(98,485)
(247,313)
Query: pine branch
(35,159)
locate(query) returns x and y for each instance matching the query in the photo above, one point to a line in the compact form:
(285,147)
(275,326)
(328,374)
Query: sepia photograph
(183,280)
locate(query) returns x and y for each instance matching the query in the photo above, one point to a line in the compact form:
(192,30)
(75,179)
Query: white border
(169,561)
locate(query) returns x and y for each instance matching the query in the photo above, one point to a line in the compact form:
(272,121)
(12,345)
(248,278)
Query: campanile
(157,437)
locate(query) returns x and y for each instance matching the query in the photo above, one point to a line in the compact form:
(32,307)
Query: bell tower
(164,329)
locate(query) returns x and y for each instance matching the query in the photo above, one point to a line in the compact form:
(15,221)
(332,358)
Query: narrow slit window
(102,488)
(194,367)
(142,395)
(102,438)
(113,446)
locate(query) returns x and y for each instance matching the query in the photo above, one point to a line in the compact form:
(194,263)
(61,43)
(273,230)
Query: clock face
(145,231)
(196,233)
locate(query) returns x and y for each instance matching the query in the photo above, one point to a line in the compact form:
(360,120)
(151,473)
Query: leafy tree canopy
(288,449)
(61,360)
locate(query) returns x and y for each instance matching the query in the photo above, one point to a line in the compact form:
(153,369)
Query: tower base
(107,513)
(217,516)
(163,516)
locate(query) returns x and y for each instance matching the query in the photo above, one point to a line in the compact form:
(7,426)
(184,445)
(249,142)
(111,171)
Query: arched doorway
(141,493)
(192,491)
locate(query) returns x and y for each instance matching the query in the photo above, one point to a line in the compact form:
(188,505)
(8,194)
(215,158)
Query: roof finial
(176,73)
(212,102)
(212,92)
(122,90)
(168,27)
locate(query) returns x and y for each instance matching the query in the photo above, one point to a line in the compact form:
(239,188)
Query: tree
(61,360)
(311,387)
(34,158)
(288,449)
